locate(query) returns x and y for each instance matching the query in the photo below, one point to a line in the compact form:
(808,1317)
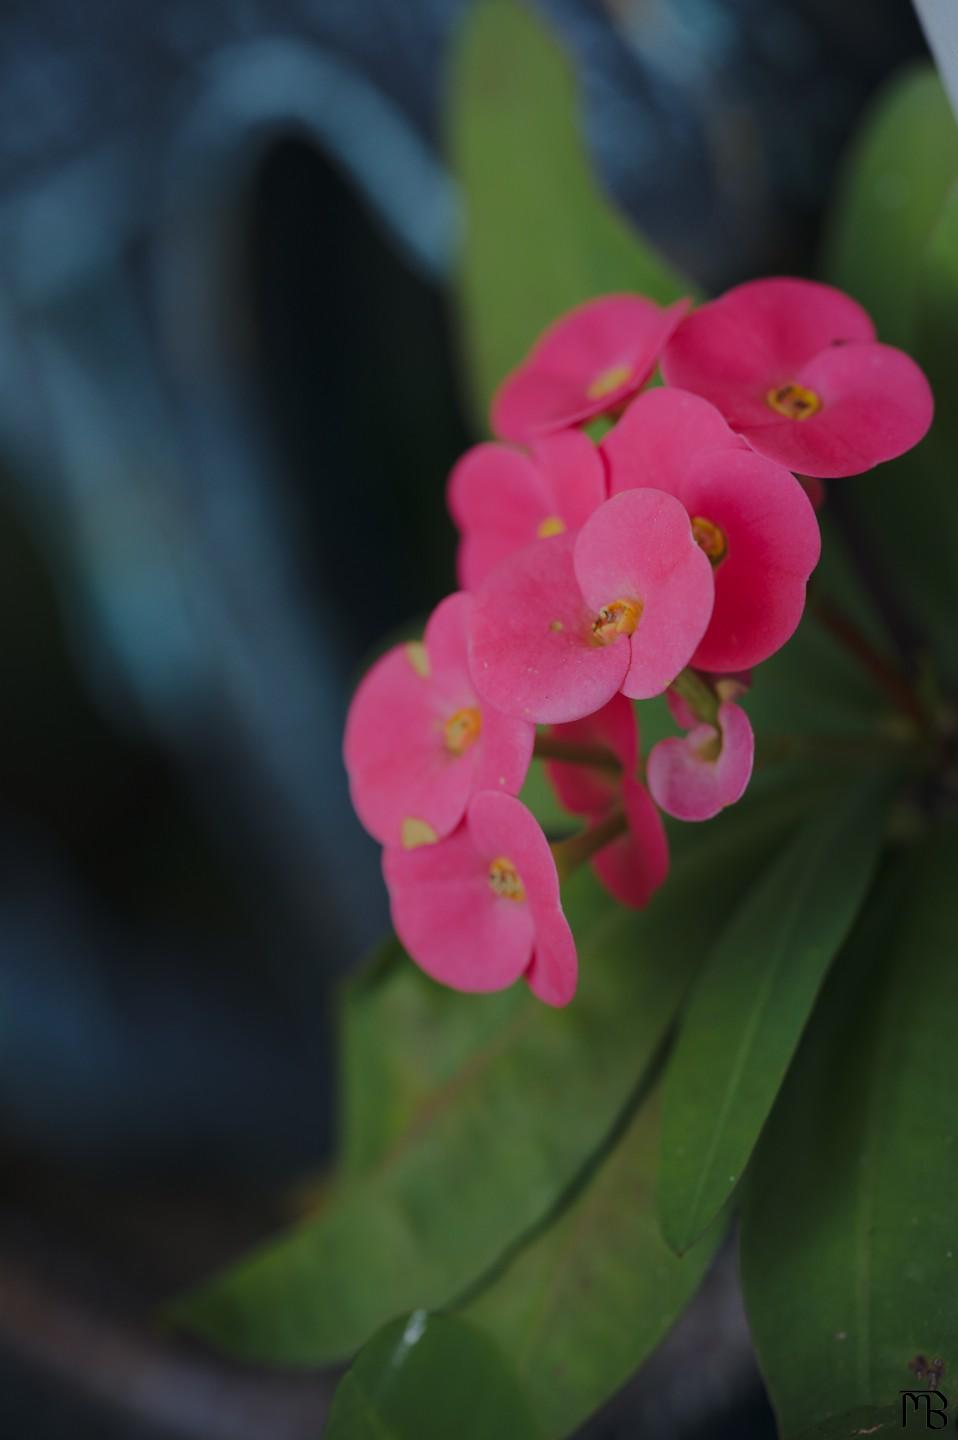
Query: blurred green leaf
(890,193)
(855,1424)
(479,1141)
(582,1305)
(430,1377)
(892,245)
(538,236)
(751,1003)
(849,1233)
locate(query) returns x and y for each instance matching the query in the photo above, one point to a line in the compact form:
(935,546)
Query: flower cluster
(669,556)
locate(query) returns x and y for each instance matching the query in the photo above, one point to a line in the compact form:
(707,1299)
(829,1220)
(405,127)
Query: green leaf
(749,1007)
(849,1231)
(478,1142)
(430,1377)
(891,192)
(582,1305)
(892,246)
(854,1424)
(538,236)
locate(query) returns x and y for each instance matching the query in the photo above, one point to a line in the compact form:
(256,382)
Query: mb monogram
(932,1402)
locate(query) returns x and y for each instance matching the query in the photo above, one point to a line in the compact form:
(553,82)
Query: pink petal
(503,751)
(554,970)
(500,497)
(395,751)
(574,475)
(585,791)
(875,404)
(633,867)
(755,337)
(449,920)
(497,497)
(499,826)
(691,787)
(773,545)
(550,389)
(531,650)
(638,546)
(659,434)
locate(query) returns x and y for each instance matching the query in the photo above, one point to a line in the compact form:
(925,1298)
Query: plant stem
(570,854)
(903,631)
(698,695)
(550,747)
(882,671)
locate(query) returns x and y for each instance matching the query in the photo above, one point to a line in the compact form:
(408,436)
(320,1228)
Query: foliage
(773,1036)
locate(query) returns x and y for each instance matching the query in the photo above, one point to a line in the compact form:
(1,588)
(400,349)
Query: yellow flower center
(551,525)
(609,380)
(462,729)
(709,538)
(618,618)
(504,879)
(793,401)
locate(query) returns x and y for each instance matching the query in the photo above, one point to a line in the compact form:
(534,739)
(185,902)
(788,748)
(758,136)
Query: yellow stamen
(793,401)
(619,618)
(504,879)
(417,832)
(418,658)
(609,380)
(551,525)
(709,538)
(462,729)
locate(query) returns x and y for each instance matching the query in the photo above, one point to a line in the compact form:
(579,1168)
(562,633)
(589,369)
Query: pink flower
(418,742)
(695,777)
(588,790)
(585,364)
(563,625)
(481,908)
(502,499)
(750,516)
(795,368)
(634,865)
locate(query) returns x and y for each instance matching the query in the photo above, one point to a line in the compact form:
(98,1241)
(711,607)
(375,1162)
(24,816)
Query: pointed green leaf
(892,246)
(538,236)
(478,1143)
(751,1003)
(430,1377)
(891,192)
(849,1230)
(582,1305)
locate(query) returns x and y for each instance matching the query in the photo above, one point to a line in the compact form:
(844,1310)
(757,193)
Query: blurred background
(228,404)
